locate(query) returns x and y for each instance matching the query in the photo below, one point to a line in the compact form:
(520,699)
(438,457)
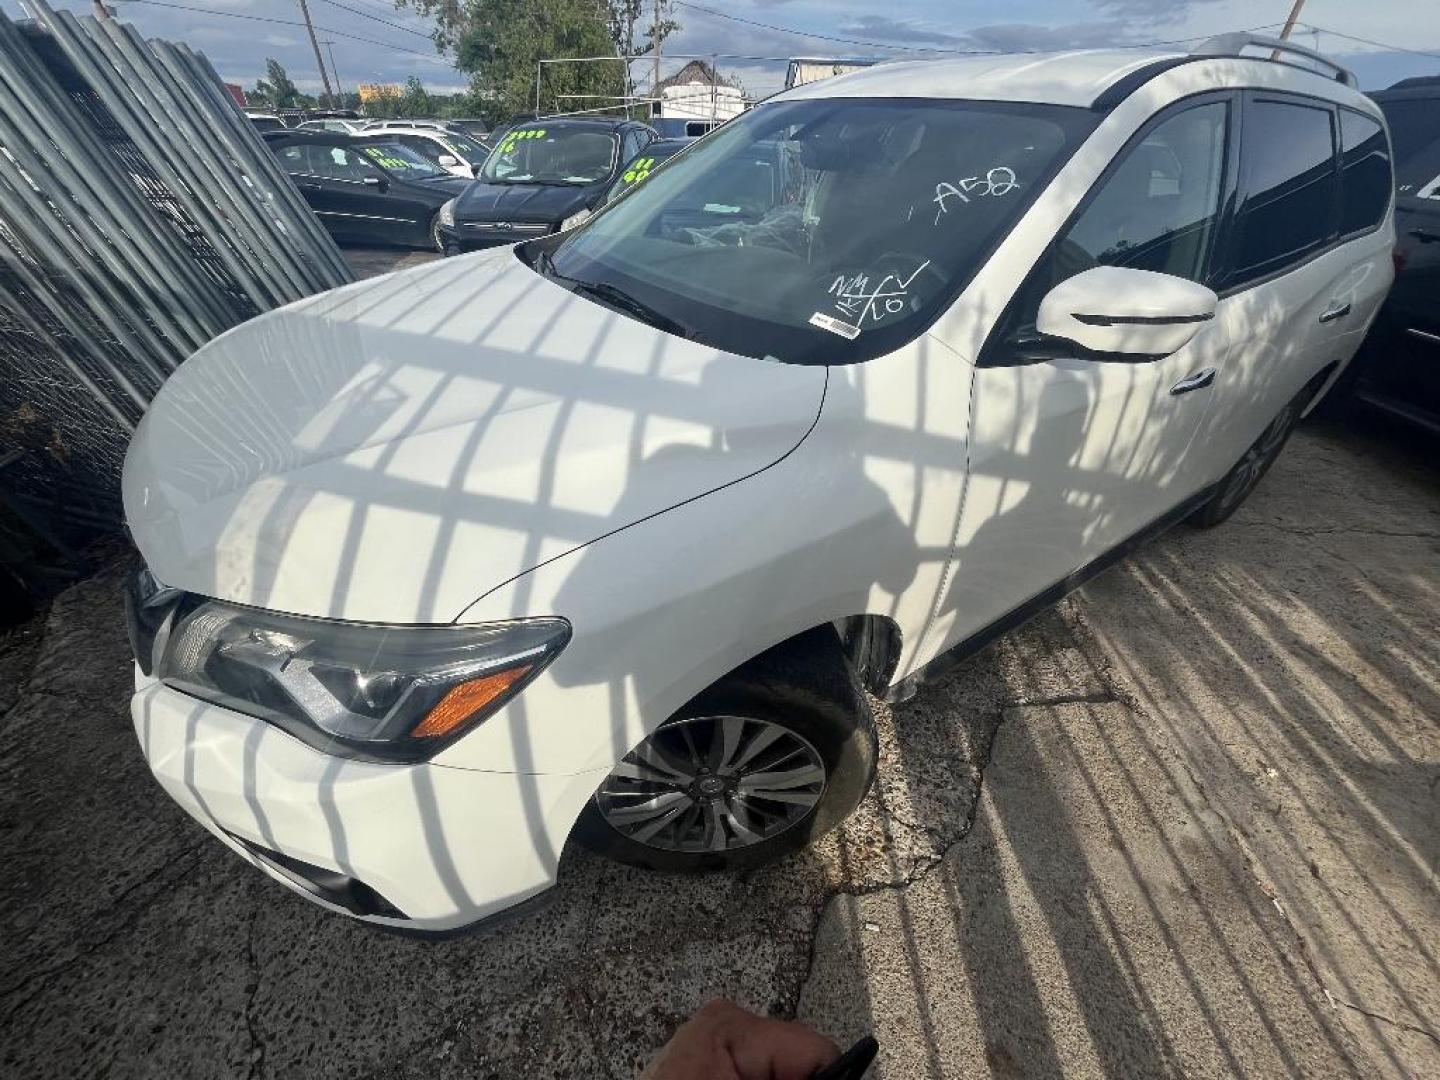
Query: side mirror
(447,161)
(1114,312)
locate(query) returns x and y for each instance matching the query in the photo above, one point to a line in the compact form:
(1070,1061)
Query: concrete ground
(1184,823)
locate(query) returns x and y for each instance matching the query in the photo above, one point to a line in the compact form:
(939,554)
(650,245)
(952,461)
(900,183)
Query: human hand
(724,1042)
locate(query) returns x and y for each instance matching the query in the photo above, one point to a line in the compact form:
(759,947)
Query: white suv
(604,536)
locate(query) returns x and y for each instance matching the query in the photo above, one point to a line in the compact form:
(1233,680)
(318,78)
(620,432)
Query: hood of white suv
(392,450)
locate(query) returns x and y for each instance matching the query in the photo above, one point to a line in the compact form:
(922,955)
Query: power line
(1369,41)
(378,19)
(281,22)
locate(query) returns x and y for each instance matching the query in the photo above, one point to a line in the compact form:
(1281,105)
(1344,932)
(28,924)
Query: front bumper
(476,235)
(423,848)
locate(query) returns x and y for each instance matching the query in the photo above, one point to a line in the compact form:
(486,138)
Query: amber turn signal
(465,700)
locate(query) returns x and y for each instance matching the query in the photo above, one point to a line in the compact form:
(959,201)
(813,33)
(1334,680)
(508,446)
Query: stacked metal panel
(140,216)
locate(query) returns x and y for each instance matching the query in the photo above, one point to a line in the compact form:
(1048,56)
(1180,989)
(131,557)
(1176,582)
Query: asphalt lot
(1187,822)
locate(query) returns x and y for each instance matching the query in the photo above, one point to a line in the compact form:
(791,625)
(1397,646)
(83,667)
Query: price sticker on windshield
(639,169)
(381,158)
(508,143)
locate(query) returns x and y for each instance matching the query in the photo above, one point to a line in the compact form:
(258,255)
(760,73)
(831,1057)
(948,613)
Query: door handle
(1330,314)
(1198,381)
(1425,236)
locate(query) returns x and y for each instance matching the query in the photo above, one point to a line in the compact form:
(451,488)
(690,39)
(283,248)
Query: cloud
(887,29)
(1026,37)
(1170,11)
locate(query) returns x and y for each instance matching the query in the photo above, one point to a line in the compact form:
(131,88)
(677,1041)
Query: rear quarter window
(1365,176)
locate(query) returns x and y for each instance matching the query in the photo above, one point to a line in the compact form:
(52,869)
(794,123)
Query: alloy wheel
(1259,457)
(713,784)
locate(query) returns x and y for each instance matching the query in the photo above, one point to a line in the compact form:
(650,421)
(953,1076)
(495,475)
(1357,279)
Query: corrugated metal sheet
(140,216)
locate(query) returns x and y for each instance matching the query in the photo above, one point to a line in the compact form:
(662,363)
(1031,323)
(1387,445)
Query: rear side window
(1288,183)
(1365,178)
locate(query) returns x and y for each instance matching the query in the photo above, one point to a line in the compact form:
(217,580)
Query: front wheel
(437,238)
(760,764)
(1235,487)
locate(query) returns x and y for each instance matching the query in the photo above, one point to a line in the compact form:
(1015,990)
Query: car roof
(434,133)
(666,147)
(1080,79)
(1408,90)
(610,123)
(314,135)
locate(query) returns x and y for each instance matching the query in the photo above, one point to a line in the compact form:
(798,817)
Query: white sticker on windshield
(835,326)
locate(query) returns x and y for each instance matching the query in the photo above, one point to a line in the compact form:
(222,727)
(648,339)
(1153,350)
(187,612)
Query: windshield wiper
(618,298)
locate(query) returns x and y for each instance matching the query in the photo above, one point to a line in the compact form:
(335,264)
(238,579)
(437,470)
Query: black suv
(543,176)
(1398,367)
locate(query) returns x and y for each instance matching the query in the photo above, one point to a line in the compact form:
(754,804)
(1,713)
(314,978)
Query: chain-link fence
(140,216)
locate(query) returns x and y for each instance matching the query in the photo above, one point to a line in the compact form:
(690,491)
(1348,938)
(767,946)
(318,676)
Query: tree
(416,102)
(499,43)
(623,16)
(276,87)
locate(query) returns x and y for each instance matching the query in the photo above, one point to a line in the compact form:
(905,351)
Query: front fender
(857,519)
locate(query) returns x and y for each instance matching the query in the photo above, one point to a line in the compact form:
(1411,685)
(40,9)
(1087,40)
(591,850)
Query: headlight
(577,218)
(389,693)
(447,212)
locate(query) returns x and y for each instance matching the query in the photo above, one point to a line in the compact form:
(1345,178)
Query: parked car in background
(639,170)
(677,127)
(607,535)
(1398,368)
(337,124)
(542,177)
(265,121)
(368,190)
(472,126)
(455,153)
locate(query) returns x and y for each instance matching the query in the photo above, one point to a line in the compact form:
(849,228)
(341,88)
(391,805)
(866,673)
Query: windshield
(462,146)
(820,231)
(558,154)
(400,160)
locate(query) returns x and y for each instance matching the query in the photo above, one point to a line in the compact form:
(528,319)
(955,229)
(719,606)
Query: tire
(1235,487)
(800,704)
(437,239)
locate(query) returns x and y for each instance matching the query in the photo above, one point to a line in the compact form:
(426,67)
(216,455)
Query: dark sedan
(368,190)
(542,177)
(1398,367)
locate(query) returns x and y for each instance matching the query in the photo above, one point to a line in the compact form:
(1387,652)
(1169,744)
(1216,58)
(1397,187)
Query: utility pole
(1290,22)
(655,47)
(330,50)
(1289,26)
(315,44)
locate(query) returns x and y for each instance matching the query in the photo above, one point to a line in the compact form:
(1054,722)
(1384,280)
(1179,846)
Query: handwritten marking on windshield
(856,299)
(1000,180)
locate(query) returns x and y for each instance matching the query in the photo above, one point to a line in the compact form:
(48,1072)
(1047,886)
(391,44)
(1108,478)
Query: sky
(1405,33)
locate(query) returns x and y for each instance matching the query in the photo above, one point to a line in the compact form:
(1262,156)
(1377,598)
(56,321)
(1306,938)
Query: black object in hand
(852,1064)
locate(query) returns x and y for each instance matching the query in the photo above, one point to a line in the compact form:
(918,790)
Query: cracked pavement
(1183,823)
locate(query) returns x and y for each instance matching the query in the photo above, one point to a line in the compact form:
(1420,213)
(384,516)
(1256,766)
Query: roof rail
(1231,44)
